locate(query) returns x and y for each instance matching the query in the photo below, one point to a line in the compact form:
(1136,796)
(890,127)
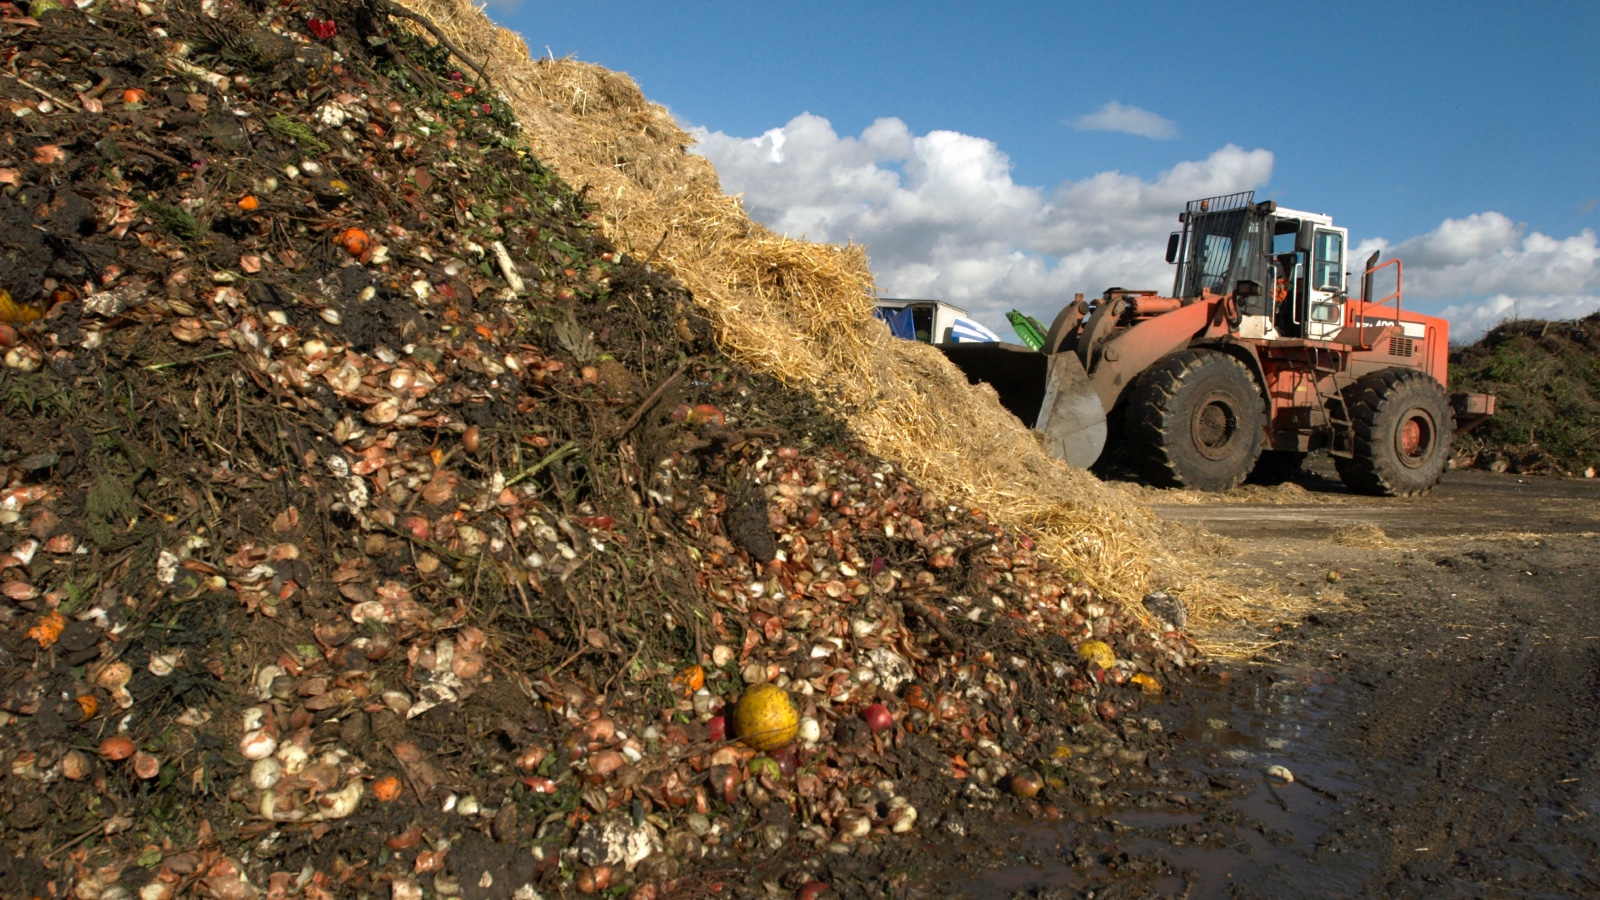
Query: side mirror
(1303,241)
(1366,276)
(1172,247)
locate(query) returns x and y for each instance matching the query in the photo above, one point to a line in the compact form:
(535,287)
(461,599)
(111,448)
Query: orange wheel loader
(1259,356)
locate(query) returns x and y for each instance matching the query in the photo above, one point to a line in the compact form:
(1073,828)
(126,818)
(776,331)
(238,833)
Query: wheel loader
(1258,357)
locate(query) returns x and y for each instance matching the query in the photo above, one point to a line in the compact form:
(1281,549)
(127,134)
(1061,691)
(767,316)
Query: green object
(173,218)
(296,131)
(1027,328)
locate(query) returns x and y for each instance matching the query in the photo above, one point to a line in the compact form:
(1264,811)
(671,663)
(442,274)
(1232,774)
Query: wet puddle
(1219,827)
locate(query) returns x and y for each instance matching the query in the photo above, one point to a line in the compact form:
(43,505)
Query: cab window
(1327,267)
(1215,255)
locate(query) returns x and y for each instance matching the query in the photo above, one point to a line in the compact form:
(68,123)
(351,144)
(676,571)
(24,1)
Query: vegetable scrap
(370,523)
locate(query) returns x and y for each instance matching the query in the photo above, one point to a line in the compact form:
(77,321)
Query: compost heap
(801,312)
(1546,378)
(369,524)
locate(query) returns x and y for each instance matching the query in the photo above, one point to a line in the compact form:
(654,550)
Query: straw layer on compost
(801,312)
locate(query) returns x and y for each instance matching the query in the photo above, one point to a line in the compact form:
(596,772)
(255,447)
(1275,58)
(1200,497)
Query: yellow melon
(765,717)
(1097,652)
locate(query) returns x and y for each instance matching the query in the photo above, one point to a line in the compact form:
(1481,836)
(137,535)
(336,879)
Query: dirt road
(1438,704)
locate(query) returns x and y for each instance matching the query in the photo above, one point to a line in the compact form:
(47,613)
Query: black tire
(1196,419)
(1113,464)
(1402,422)
(1277,466)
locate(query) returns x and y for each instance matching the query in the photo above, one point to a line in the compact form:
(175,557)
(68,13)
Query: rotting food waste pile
(369,525)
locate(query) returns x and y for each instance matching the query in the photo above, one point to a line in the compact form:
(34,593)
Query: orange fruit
(690,680)
(353,240)
(386,789)
(49,628)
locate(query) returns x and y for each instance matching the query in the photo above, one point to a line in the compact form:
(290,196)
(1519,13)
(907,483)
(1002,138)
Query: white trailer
(932,322)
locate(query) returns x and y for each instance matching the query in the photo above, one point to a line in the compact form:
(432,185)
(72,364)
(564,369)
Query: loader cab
(1222,244)
(1307,271)
(1284,267)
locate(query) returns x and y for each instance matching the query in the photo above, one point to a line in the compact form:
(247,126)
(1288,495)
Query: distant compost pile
(1546,376)
(370,525)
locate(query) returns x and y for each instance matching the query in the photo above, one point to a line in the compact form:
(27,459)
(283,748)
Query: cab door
(1287,279)
(1326,287)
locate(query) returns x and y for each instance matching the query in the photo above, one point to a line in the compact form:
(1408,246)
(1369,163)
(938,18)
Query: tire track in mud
(1463,649)
(1438,688)
(1480,728)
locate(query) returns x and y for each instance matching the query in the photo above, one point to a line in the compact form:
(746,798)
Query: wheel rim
(1414,439)
(1215,425)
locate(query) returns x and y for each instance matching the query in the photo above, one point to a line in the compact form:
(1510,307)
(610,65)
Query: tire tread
(1371,471)
(1150,427)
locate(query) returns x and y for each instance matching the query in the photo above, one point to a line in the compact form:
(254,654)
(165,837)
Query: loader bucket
(1050,394)
(1016,373)
(1071,418)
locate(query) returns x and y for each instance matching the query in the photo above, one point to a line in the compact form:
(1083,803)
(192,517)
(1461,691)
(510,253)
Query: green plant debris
(296,131)
(1546,378)
(174,219)
(108,503)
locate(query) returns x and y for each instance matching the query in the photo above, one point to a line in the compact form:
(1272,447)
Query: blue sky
(1026,149)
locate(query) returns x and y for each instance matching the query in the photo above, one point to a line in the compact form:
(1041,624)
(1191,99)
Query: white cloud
(1468,321)
(1128,120)
(941,217)
(1487,253)
(1488,268)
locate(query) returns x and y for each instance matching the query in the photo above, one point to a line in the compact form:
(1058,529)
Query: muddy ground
(1436,703)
